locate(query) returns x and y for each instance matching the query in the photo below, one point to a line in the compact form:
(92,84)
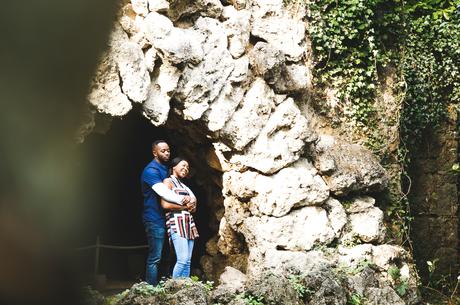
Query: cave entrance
(117,154)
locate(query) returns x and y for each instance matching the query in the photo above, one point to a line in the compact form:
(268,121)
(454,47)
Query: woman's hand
(191,206)
(186,200)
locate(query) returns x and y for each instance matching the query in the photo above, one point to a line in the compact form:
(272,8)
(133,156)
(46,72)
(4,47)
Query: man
(153,217)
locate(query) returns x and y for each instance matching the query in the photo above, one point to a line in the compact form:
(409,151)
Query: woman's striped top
(181,222)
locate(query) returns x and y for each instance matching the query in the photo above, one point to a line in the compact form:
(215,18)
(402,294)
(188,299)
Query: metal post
(96,256)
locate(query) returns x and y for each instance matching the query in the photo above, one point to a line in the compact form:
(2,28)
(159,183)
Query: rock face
(293,198)
(347,168)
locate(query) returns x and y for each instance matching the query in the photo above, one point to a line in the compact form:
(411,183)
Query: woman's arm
(168,205)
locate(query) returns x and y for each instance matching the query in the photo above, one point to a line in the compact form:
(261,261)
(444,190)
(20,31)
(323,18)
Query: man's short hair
(155,143)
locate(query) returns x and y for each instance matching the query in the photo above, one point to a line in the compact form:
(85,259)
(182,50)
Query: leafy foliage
(356,299)
(147,290)
(400,284)
(346,38)
(431,66)
(208,285)
(249,299)
(353,39)
(297,285)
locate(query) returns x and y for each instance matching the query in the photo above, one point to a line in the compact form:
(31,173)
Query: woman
(179,221)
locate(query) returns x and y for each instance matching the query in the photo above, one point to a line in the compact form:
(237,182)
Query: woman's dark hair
(176,161)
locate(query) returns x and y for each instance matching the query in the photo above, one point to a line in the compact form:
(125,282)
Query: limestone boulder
(156,107)
(214,266)
(122,64)
(200,85)
(360,282)
(365,221)
(140,7)
(286,262)
(257,106)
(283,32)
(232,282)
(233,277)
(326,288)
(237,25)
(352,257)
(348,168)
(269,62)
(337,214)
(185,291)
(367,226)
(294,78)
(105,92)
(280,142)
(131,66)
(229,98)
(236,212)
(159,6)
(223,107)
(274,289)
(241,74)
(360,204)
(229,241)
(385,255)
(383,296)
(173,44)
(382,256)
(127,19)
(182,8)
(277,195)
(238,4)
(301,229)
(262,8)
(241,185)
(150,56)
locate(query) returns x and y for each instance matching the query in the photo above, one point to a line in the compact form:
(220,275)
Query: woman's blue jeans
(184,249)
(155,237)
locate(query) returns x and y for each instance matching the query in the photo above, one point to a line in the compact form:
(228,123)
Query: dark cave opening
(116,159)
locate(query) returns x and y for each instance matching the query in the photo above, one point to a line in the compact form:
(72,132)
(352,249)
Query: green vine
(354,40)
(349,39)
(431,66)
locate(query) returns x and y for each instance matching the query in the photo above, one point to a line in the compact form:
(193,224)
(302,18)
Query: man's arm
(153,178)
(164,192)
(168,205)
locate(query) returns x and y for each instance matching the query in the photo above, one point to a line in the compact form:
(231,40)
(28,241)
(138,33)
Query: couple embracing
(168,204)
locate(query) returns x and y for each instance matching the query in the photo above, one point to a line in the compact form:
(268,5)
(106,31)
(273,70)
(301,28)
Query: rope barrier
(98,246)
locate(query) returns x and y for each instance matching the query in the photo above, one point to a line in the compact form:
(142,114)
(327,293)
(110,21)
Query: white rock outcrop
(257,106)
(174,44)
(238,74)
(278,194)
(156,107)
(280,142)
(201,84)
(300,230)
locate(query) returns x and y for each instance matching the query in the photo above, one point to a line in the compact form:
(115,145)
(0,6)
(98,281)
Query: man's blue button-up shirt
(153,173)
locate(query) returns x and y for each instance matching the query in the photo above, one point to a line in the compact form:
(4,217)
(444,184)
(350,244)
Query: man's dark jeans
(156,235)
